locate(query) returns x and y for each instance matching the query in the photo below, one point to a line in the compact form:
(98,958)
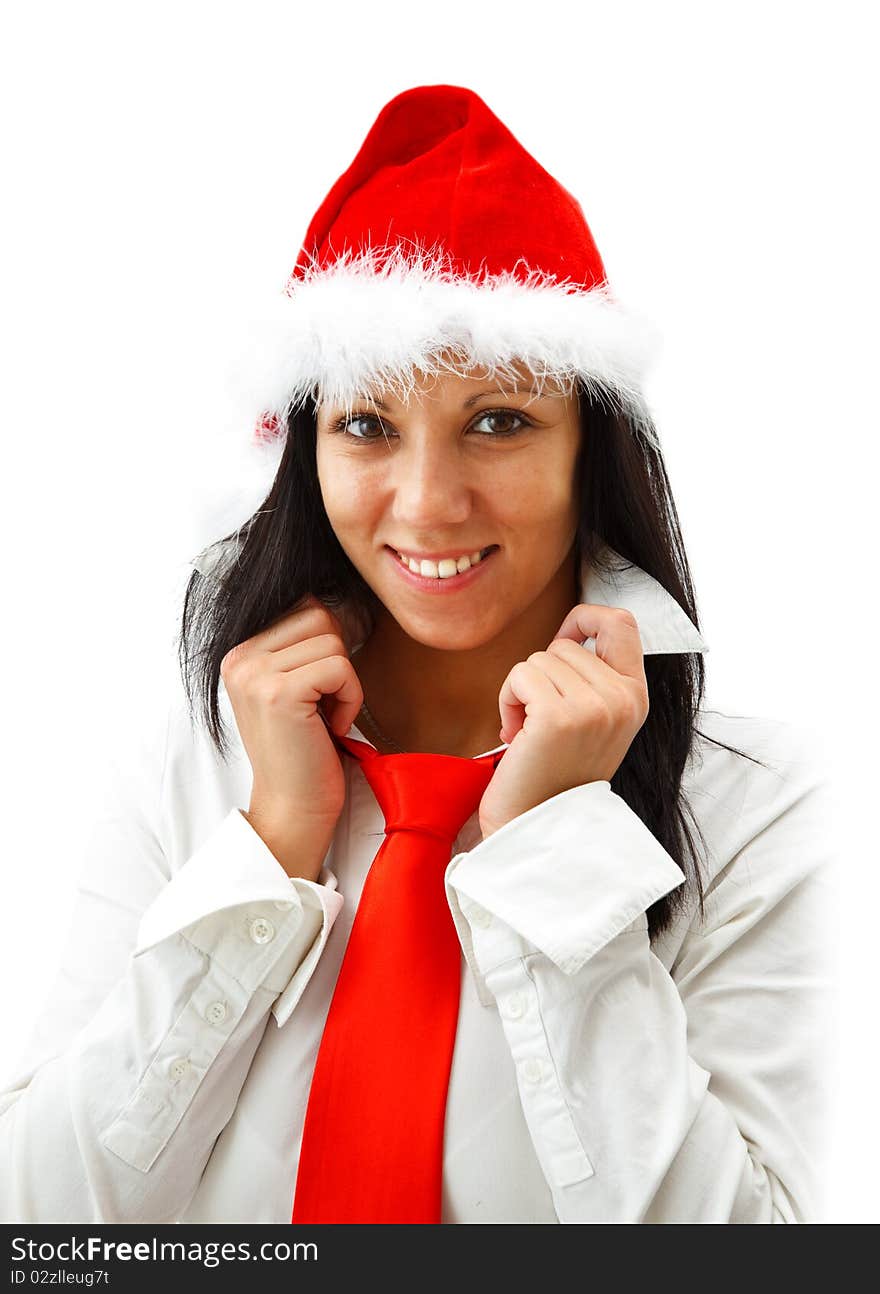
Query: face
(461,465)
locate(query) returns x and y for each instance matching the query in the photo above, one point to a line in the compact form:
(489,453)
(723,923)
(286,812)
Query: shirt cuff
(562,879)
(235,902)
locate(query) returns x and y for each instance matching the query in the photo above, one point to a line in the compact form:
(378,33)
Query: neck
(456,713)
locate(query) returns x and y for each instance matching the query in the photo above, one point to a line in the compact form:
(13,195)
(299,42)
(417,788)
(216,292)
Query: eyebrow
(472,399)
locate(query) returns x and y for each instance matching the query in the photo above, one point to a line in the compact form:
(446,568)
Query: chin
(451,635)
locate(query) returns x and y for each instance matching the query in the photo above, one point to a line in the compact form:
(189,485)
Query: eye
(347,426)
(503,414)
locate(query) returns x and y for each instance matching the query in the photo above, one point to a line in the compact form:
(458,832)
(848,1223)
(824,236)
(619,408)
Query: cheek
(538,494)
(345,492)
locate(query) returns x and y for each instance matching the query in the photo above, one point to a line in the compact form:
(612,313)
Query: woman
(462,549)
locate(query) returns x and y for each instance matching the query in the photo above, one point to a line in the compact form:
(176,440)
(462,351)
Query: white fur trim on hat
(370,320)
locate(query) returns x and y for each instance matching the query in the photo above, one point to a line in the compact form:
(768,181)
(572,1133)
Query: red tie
(372,1148)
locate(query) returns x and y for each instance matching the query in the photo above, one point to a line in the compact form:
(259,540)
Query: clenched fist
(276,682)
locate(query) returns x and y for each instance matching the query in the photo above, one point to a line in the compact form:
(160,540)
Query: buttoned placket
(239,962)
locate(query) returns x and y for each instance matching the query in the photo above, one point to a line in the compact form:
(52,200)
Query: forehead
(450,381)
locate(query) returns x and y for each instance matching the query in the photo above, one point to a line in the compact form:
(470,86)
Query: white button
(479,915)
(533,1069)
(262,930)
(284,906)
(216,1013)
(516,1005)
(178,1068)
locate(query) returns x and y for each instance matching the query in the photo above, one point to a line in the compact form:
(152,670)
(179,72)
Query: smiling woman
(543,937)
(486,521)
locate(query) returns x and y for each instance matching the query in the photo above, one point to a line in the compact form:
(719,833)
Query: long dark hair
(288,550)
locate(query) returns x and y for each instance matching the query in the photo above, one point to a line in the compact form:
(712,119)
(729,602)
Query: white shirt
(596,1077)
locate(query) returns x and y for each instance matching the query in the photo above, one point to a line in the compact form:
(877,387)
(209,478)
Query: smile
(445,575)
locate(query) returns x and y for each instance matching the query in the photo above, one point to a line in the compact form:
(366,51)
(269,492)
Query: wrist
(299,855)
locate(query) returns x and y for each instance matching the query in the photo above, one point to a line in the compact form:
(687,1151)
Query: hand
(276,682)
(568,715)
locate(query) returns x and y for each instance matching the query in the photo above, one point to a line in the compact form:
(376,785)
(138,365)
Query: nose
(430,485)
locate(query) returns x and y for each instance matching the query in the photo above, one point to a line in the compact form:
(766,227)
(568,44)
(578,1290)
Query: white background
(161,164)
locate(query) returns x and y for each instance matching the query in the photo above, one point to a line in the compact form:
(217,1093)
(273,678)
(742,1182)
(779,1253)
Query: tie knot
(433,794)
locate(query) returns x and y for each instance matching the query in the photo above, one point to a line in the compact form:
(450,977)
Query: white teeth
(446,567)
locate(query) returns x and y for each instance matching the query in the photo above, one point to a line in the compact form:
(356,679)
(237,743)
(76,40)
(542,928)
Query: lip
(428,584)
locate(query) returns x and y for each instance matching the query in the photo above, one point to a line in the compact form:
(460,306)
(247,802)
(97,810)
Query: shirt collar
(664,627)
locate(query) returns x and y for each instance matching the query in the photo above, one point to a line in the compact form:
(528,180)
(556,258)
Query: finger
(334,682)
(618,641)
(590,668)
(524,684)
(309,618)
(285,659)
(560,671)
(350,622)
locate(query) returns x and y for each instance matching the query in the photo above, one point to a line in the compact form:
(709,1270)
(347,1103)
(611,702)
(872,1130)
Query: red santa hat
(444,244)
